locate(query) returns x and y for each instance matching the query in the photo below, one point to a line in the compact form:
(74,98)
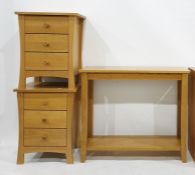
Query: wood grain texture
(77,117)
(71,82)
(52,149)
(46,129)
(46,43)
(22,79)
(130,143)
(20,157)
(179,109)
(46,24)
(127,69)
(90,108)
(46,61)
(45,101)
(44,36)
(50,14)
(134,76)
(45,119)
(191,112)
(59,74)
(49,48)
(133,143)
(81,25)
(70,132)
(45,137)
(184,104)
(84,118)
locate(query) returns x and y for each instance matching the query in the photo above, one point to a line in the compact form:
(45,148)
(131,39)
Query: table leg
(90,100)
(178,108)
(69,151)
(84,117)
(184,102)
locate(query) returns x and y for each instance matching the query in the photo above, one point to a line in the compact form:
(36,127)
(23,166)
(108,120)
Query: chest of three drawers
(51,45)
(46,122)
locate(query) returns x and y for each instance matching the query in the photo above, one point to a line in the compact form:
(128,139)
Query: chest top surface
(50,14)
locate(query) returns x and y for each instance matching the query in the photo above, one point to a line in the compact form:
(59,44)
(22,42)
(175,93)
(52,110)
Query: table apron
(134,76)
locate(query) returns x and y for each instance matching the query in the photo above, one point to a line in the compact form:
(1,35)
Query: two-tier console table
(89,142)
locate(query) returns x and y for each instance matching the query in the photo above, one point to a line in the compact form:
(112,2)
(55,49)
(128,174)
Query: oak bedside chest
(46,119)
(50,45)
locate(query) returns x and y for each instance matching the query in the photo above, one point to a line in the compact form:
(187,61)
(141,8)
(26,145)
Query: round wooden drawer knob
(46,63)
(46,44)
(45,25)
(44,120)
(44,138)
(45,103)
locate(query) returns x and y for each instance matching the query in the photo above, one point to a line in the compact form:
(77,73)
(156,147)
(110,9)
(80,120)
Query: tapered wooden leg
(184,102)
(90,106)
(84,117)
(69,157)
(179,109)
(20,158)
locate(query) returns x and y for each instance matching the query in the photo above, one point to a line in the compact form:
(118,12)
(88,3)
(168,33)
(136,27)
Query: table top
(50,14)
(125,69)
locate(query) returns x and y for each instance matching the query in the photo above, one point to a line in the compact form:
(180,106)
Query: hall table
(166,143)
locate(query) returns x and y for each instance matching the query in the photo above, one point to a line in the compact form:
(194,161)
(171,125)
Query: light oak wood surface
(89,142)
(45,119)
(129,69)
(20,156)
(46,61)
(46,43)
(46,24)
(50,14)
(45,101)
(42,35)
(45,137)
(50,46)
(133,143)
(191,112)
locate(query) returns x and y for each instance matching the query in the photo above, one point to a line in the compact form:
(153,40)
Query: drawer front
(45,119)
(46,61)
(44,137)
(46,43)
(46,24)
(45,101)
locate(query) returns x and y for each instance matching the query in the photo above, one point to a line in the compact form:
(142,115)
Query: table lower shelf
(133,143)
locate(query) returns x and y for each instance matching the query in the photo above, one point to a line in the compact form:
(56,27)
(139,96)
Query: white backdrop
(119,33)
